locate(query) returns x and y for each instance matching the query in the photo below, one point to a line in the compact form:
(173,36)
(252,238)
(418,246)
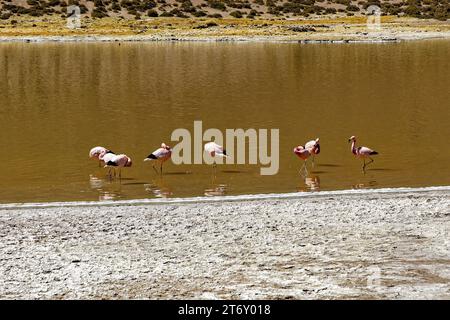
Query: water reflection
(109,195)
(217,189)
(310,183)
(159,188)
(106,188)
(365,185)
(95,182)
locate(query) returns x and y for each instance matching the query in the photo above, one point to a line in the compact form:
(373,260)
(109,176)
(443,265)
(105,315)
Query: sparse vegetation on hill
(252,9)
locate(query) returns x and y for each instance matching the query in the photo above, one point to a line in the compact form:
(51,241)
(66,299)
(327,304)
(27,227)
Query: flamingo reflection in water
(159,188)
(107,190)
(216,190)
(311,183)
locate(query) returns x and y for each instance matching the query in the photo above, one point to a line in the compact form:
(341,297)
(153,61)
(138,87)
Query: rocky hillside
(252,9)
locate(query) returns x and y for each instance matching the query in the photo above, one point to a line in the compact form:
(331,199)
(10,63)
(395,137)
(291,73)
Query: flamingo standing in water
(303,154)
(105,157)
(161,154)
(97,152)
(215,150)
(362,152)
(313,147)
(119,161)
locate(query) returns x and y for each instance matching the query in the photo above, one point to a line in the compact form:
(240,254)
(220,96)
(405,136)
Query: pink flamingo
(161,154)
(215,150)
(97,152)
(303,154)
(119,161)
(313,147)
(362,152)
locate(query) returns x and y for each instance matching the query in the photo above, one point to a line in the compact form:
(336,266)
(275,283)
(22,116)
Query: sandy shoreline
(378,245)
(314,30)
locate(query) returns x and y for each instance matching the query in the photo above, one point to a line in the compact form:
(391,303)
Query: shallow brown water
(59,100)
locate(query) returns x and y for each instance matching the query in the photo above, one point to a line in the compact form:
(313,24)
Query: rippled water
(59,100)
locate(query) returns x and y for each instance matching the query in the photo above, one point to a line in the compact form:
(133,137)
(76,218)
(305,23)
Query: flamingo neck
(353,148)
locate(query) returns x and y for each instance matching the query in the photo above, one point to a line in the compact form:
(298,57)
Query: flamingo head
(165,146)
(298,149)
(129,162)
(96,152)
(352,139)
(101,155)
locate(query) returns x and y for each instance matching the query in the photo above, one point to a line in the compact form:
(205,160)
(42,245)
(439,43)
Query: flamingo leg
(366,164)
(313,157)
(155,169)
(214,169)
(161,168)
(303,170)
(213,180)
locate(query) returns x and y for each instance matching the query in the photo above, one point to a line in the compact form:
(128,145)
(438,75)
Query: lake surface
(59,100)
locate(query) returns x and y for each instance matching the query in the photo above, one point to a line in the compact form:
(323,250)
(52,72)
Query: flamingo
(303,154)
(215,150)
(313,147)
(105,157)
(120,161)
(161,154)
(362,152)
(97,152)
